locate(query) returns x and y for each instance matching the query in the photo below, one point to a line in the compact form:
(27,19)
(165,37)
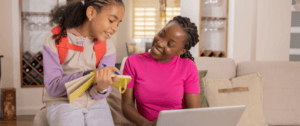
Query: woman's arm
(192,100)
(129,110)
(192,87)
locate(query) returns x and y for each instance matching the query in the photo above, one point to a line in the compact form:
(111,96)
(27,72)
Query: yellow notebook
(76,87)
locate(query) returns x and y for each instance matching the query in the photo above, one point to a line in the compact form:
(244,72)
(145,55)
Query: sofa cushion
(219,68)
(203,102)
(40,118)
(244,90)
(281,85)
(114,99)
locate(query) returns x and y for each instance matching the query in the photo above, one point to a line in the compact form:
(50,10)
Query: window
(146,16)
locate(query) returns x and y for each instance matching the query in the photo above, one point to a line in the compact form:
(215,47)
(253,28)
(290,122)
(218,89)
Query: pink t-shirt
(160,86)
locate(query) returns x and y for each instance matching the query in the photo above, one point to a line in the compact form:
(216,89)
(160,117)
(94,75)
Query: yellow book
(78,86)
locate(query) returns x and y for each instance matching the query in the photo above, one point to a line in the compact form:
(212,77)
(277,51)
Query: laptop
(211,116)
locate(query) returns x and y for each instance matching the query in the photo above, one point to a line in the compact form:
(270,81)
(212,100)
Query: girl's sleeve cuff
(95,95)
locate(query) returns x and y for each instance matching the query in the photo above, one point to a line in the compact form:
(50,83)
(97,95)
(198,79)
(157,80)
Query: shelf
(219,18)
(295,30)
(32,86)
(33,77)
(33,67)
(294,51)
(33,80)
(36,13)
(29,14)
(216,19)
(210,53)
(294,10)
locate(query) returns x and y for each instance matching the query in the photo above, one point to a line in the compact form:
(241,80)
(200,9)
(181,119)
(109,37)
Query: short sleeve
(129,70)
(192,85)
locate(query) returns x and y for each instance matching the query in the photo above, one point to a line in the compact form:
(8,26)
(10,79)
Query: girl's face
(168,43)
(105,23)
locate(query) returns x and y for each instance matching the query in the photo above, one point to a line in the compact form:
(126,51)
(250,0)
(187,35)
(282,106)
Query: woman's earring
(90,19)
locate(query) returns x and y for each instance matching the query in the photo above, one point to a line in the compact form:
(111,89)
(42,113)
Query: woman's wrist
(145,122)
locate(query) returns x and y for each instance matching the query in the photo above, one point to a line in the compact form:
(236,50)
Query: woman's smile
(156,51)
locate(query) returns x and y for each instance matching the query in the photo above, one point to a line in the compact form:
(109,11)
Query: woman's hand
(147,123)
(154,122)
(103,77)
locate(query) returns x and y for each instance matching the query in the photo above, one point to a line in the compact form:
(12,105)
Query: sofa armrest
(40,118)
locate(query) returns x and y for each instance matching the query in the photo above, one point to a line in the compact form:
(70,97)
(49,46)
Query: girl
(163,77)
(78,45)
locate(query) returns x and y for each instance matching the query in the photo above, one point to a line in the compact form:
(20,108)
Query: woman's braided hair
(73,15)
(192,34)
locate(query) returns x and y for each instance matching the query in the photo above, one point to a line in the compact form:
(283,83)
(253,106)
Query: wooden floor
(24,120)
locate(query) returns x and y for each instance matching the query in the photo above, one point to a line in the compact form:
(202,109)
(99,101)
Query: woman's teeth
(108,35)
(156,51)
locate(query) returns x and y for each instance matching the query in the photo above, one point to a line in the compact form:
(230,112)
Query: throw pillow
(245,90)
(203,101)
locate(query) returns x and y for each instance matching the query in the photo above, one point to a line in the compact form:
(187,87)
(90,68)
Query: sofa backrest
(218,68)
(122,65)
(281,90)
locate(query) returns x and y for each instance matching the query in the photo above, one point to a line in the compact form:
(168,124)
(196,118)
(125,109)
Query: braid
(187,54)
(192,34)
(73,15)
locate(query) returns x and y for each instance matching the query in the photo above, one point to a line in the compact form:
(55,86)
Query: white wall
(124,32)
(261,30)
(6,43)
(273,30)
(244,29)
(191,9)
(29,100)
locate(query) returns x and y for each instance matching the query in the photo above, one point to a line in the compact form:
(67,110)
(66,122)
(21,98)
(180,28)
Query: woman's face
(168,43)
(105,23)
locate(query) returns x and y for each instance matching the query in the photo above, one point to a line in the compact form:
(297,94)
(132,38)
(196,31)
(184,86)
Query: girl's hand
(103,77)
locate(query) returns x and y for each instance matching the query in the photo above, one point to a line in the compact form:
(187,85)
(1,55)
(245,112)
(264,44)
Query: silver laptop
(211,116)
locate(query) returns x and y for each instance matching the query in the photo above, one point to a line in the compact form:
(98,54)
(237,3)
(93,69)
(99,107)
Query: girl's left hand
(103,77)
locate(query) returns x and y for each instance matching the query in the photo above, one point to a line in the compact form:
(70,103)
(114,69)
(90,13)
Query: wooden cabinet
(32,70)
(34,26)
(213,29)
(8,104)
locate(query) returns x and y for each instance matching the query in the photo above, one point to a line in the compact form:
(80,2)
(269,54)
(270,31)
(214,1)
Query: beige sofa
(281,88)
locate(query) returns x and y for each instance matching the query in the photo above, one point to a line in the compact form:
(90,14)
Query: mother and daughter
(164,79)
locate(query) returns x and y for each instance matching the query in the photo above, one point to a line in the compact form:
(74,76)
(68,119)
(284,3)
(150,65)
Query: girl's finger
(101,71)
(114,69)
(104,75)
(115,79)
(109,73)
(96,74)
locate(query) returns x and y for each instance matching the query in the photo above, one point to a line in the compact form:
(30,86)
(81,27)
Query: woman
(164,77)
